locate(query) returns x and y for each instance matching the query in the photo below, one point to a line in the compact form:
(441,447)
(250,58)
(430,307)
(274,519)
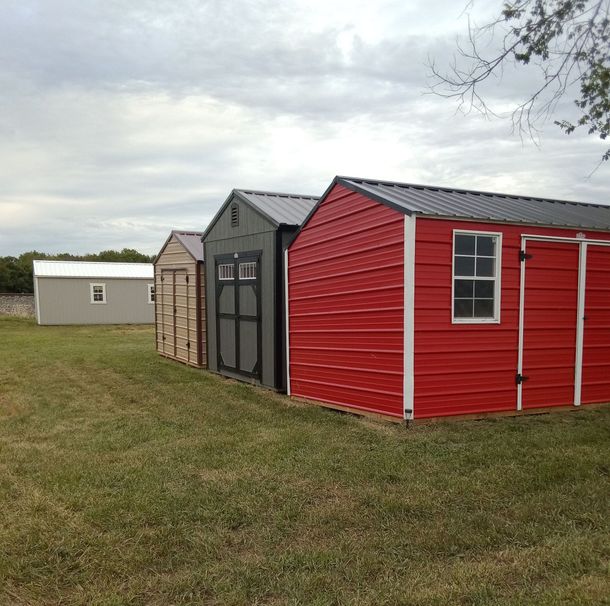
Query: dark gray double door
(238,313)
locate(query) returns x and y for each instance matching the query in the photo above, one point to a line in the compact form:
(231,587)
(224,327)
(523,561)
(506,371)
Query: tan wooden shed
(180,325)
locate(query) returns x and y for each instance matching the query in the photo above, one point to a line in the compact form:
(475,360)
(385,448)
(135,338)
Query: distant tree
(568,40)
(16,272)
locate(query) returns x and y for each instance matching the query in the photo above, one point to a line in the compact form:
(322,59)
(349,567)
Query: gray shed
(83,292)
(243,247)
(180,299)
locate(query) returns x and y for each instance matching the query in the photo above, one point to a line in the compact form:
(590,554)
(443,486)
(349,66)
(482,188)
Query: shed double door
(565,324)
(238,314)
(173,299)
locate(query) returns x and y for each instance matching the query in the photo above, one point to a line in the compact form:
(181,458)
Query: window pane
(462,308)
(464,289)
(484,289)
(247,271)
(485,267)
(483,308)
(225,271)
(486,246)
(464,245)
(464,266)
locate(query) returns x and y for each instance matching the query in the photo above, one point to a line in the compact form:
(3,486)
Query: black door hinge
(188,345)
(187,279)
(523,256)
(520,379)
(163,337)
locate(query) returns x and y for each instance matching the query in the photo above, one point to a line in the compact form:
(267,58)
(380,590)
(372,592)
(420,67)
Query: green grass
(128,479)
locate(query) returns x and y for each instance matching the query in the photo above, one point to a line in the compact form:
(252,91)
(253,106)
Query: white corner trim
(521,320)
(409,318)
(287,321)
(580,321)
(37,300)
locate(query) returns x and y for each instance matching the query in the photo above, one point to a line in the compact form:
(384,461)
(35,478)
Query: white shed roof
(88,269)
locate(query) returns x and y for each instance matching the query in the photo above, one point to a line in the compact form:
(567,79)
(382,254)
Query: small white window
(98,293)
(151,293)
(225,271)
(476,277)
(247,271)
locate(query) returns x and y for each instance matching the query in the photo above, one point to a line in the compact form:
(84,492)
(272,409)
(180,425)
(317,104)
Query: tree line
(16,272)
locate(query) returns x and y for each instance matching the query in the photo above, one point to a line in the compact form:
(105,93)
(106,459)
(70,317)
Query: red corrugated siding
(464,369)
(596,346)
(549,329)
(346,296)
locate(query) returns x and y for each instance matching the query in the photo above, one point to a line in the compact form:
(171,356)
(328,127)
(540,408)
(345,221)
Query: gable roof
(92,269)
(190,240)
(278,208)
(476,205)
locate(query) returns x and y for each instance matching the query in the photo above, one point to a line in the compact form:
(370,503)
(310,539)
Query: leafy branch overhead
(567,40)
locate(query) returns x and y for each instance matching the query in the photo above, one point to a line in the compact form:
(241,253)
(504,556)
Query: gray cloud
(119,121)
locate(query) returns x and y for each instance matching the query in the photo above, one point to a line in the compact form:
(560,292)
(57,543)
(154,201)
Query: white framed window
(98,293)
(247,271)
(225,271)
(151,294)
(476,277)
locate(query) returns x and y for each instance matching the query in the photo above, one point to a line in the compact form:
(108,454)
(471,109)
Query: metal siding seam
(287,320)
(580,322)
(521,319)
(409,317)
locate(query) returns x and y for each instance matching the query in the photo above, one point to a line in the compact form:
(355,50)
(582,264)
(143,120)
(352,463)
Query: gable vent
(234,215)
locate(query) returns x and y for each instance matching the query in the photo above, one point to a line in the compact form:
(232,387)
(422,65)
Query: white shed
(83,292)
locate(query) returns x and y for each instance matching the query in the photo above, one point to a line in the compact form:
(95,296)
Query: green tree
(567,40)
(16,272)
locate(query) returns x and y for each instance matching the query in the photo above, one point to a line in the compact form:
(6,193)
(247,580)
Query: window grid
(247,271)
(151,293)
(98,293)
(225,271)
(475,269)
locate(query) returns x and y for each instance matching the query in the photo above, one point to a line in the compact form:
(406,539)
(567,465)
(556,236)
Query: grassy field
(128,479)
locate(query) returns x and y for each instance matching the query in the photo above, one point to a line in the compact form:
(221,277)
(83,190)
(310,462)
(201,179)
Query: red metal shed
(416,302)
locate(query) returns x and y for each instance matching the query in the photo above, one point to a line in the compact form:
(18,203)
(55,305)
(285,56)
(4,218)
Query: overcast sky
(122,120)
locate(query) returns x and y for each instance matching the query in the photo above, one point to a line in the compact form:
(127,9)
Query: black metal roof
(281,209)
(483,206)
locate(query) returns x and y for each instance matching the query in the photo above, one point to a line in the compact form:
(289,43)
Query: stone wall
(17,305)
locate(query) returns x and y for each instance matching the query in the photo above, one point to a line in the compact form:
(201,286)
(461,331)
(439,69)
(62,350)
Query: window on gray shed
(234,215)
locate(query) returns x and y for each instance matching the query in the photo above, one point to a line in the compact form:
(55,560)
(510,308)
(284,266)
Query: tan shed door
(173,299)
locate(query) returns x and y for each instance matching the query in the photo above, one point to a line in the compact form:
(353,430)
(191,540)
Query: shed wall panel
(596,346)
(346,305)
(266,243)
(65,301)
(470,368)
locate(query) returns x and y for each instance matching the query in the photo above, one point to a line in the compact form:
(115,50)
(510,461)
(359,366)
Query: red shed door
(596,341)
(549,323)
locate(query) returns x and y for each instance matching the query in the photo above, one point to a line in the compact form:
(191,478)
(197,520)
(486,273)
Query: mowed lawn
(129,479)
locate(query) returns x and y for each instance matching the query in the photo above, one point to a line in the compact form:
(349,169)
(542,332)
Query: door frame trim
(583,244)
